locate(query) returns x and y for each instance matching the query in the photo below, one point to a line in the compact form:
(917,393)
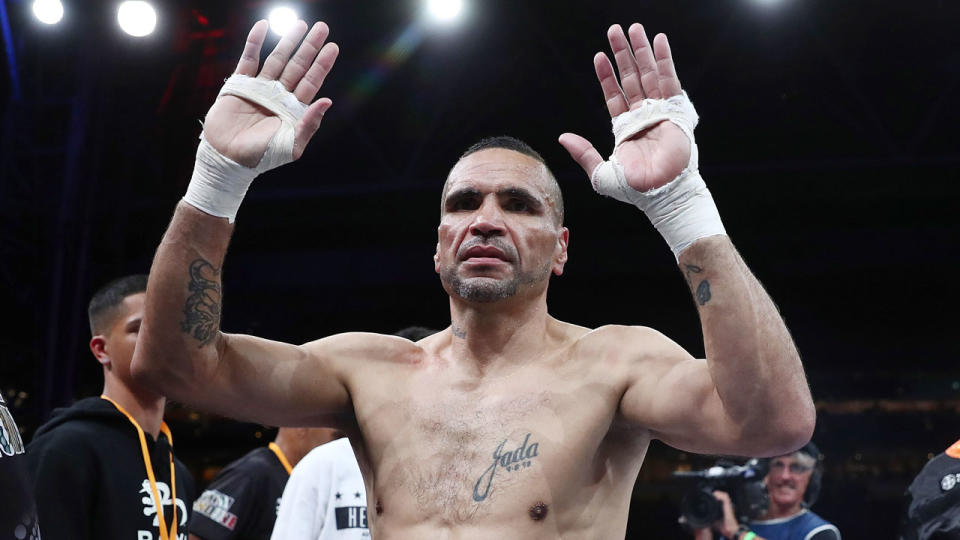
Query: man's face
(787,480)
(498,235)
(114,347)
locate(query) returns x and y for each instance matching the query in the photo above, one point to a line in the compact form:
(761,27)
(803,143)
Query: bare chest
(457,454)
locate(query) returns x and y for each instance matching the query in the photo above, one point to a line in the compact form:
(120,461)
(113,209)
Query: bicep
(277,383)
(673,395)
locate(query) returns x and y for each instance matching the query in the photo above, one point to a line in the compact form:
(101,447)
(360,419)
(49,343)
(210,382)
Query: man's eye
(464,204)
(517,205)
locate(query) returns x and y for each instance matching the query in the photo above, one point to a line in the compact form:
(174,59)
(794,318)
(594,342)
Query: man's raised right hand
(240,129)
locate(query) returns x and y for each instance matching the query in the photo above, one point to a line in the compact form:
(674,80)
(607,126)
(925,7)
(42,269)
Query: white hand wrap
(219,183)
(683,209)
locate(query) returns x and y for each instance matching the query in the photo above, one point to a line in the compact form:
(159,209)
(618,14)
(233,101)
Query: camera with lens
(744,483)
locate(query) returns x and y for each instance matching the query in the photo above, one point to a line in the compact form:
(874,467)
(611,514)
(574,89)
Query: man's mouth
(484,254)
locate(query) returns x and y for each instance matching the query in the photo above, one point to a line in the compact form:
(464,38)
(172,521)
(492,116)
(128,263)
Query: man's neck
(145,407)
(489,335)
(293,444)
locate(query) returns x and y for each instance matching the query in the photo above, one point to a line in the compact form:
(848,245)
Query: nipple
(538,511)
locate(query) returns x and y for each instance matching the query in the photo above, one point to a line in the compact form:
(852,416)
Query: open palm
(657,155)
(241,129)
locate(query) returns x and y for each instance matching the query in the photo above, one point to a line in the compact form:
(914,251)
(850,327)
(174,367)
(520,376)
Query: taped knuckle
(603,177)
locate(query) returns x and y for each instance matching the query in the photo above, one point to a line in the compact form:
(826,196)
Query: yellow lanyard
(153,482)
(283,459)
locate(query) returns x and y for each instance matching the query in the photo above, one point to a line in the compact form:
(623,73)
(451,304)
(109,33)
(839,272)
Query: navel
(538,511)
(379,507)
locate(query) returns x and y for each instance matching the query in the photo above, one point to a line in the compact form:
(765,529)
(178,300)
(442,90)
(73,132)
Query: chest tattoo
(511,460)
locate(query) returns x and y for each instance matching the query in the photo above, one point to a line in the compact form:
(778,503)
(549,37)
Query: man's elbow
(792,430)
(160,366)
(170,368)
(801,430)
(147,370)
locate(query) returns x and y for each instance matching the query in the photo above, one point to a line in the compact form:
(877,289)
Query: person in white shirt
(325,498)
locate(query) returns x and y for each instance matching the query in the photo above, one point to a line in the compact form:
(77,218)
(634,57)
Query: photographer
(793,482)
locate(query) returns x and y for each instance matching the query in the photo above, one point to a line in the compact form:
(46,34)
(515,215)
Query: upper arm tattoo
(202,309)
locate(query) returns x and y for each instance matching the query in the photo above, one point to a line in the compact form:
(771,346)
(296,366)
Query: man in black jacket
(104,467)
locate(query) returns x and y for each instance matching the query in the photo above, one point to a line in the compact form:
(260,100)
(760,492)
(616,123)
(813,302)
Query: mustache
(508,250)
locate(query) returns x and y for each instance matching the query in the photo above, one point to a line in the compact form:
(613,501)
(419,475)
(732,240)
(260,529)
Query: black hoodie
(18,515)
(90,481)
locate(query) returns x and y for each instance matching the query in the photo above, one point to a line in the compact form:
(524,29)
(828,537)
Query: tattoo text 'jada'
(511,460)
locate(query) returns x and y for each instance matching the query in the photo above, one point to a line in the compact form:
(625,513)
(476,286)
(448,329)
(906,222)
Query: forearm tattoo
(702,292)
(202,309)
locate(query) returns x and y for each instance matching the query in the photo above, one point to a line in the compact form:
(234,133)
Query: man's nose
(488,220)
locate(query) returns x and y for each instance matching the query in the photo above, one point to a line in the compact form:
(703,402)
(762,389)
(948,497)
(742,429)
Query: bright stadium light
(48,11)
(445,11)
(137,18)
(282,19)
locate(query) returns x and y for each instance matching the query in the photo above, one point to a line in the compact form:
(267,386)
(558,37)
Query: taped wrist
(683,211)
(219,184)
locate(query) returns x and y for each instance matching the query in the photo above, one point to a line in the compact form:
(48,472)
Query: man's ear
(436,259)
(563,239)
(98,346)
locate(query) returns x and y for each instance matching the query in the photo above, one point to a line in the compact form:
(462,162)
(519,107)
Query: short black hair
(504,141)
(512,143)
(102,307)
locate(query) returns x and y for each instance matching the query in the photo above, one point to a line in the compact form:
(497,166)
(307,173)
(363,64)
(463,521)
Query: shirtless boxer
(509,423)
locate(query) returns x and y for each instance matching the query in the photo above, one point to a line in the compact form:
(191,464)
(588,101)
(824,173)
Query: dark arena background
(827,136)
